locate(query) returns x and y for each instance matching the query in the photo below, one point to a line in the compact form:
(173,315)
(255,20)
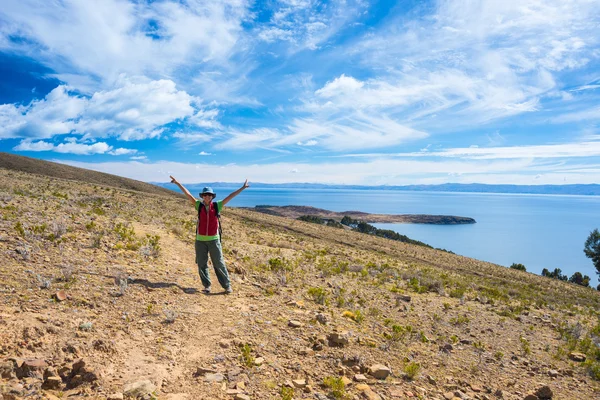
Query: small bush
(525,345)
(460,320)
(287,393)
(318,295)
(19,228)
(412,370)
(246,357)
(336,386)
(458,292)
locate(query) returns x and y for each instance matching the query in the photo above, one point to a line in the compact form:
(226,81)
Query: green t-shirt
(203,238)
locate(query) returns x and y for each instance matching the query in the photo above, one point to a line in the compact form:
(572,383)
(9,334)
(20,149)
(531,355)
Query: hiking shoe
(228,290)
(206,290)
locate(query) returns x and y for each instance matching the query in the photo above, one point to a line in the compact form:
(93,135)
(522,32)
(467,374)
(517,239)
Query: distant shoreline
(473,188)
(298,211)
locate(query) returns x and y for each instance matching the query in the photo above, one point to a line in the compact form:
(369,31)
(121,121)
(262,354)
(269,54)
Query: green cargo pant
(212,247)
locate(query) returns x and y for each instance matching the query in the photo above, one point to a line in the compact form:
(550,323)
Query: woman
(207,234)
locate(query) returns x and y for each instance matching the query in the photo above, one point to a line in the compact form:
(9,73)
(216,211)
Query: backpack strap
(216,207)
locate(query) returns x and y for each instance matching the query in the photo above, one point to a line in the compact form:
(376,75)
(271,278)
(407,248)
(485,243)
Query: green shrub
(458,292)
(518,267)
(246,355)
(525,345)
(412,370)
(460,320)
(318,295)
(279,265)
(287,393)
(19,228)
(336,386)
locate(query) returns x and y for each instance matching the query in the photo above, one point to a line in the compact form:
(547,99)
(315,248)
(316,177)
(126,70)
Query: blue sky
(352,92)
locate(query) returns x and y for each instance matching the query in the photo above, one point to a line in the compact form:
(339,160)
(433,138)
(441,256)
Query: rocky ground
(99,298)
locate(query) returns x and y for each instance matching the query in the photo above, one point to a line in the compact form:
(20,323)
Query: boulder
(31,368)
(544,393)
(8,369)
(338,339)
(294,324)
(578,357)
(52,382)
(139,389)
(379,371)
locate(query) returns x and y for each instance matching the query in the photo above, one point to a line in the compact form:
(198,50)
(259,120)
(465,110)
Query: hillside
(99,291)
(46,168)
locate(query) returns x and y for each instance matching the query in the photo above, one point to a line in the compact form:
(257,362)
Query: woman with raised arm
(207,234)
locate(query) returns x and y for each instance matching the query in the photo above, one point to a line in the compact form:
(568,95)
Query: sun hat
(208,190)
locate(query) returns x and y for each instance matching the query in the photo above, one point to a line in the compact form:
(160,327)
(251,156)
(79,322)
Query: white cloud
(565,150)
(138,158)
(354,132)
(472,62)
(308,143)
(105,39)
(204,153)
(256,138)
(122,151)
(308,24)
(586,114)
(341,86)
(28,145)
(137,109)
(70,147)
(187,140)
(206,119)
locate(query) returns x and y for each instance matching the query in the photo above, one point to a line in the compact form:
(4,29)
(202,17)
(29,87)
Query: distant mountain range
(576,189)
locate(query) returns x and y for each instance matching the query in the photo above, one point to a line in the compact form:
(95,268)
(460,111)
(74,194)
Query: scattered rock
(240,396)
(259,361)
(346,381)
(403,297)
(360,378)
(52,382)
(553,373)
(139,389)
(8,369)
(446,348)
(379,371)
(115,396)
(578,357)
(544,392)
(201,371)
(294,324)
(214,377)
(299,383)
(61,295)
(31,368)
(322,319)
(306,351)
(338,339)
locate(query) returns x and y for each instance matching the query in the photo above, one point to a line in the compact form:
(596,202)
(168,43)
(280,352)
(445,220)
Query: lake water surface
(539,231)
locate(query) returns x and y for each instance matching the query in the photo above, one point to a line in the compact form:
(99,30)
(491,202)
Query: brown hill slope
(314,309)
(47,168)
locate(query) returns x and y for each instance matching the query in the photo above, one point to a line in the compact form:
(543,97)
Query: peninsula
(298,211)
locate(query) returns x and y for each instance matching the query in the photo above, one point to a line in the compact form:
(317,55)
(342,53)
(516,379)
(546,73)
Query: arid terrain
(100,298)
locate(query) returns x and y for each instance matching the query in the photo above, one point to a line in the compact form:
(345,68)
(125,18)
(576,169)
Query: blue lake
(539,231)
